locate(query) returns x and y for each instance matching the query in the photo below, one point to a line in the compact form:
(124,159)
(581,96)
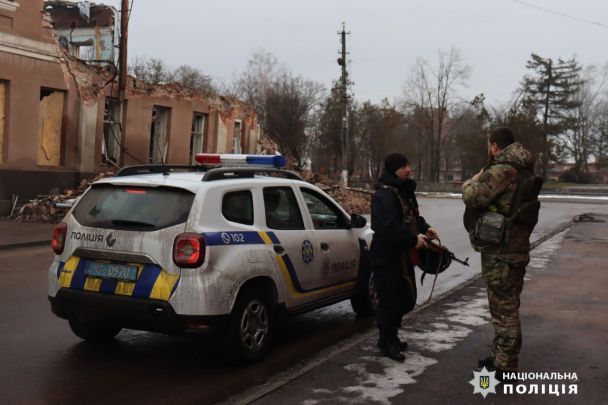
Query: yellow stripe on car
(67,273)
(164,286)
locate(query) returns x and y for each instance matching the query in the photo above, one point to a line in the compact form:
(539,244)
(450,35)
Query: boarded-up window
(197,136)
(50,118)
(237,146)
(2,113)
(158,134)
(111,131)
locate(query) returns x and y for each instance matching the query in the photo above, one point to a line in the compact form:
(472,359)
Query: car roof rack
(225,173)
(158,169)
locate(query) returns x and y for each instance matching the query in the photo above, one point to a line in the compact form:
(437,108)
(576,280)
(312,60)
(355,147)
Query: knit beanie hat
(394,162)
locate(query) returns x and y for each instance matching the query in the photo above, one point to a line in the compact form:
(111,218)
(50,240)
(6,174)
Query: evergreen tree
(551,89)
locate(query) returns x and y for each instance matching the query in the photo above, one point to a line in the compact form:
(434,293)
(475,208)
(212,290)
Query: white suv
(178,249)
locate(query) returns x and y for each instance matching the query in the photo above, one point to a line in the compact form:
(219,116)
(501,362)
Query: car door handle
(279,249)
(324,246)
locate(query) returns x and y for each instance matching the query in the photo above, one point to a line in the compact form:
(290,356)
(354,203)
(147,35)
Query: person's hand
(421,242)
(476,177)
(432,234)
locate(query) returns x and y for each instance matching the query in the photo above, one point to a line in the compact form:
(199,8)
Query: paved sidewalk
(564,325)
(23,234)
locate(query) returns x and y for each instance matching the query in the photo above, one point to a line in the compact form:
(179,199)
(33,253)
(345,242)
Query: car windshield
(133,208)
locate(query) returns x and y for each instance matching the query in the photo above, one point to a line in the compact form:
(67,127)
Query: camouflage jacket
(494,191)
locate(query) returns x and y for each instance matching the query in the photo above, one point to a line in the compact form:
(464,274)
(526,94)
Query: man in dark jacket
(398,230)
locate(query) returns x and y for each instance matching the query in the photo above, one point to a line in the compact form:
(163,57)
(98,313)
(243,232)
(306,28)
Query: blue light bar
(277,161)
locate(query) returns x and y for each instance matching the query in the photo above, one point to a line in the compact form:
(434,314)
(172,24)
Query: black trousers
(396,296)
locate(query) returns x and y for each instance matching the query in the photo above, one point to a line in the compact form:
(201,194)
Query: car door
(338,243)
(293,244)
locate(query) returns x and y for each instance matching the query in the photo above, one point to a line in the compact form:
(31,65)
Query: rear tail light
(59,235)
(189,250)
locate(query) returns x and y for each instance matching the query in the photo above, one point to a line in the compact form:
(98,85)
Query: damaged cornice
(9,5)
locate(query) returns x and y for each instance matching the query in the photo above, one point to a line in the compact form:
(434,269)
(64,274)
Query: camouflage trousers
(504,275)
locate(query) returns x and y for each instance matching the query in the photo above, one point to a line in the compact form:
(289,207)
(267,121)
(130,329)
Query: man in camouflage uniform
(503,265)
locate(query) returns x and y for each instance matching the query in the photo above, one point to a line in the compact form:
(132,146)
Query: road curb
(25,244)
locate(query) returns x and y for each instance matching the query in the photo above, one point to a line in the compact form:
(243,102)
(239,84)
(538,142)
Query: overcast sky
(496,37)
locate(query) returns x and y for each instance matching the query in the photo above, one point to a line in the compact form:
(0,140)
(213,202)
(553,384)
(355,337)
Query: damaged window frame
(237,141)
(197,135)
(111,139)
(159,139)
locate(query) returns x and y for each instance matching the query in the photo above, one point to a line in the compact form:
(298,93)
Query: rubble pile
(52,208)
(355,201)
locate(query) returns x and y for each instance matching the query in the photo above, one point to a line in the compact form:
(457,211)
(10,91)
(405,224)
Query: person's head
(498,140)
(398,164)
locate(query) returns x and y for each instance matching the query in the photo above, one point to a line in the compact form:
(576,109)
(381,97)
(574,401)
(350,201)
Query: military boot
(502,375)
(402,344)
(391,350)
(485,362)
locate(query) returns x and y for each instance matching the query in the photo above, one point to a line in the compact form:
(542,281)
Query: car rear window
(133,208)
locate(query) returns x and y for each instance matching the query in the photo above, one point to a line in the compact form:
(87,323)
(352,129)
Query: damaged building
(89,32)
(61,119)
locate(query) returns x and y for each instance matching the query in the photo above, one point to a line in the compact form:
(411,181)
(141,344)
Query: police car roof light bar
(226,160)
(226,173)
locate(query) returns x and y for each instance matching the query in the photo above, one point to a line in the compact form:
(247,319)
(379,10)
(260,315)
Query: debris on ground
(352,200)
(52,208)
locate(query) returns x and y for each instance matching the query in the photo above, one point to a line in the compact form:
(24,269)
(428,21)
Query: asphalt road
(42,362)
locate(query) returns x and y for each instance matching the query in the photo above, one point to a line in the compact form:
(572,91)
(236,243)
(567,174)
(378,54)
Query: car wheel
(95,332)
(365,300)
(251,327)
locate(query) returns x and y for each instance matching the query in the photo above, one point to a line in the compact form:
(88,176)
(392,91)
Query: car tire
(251,327)
(94,332)
(365,300)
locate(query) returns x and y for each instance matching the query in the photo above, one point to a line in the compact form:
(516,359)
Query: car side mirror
(357,221)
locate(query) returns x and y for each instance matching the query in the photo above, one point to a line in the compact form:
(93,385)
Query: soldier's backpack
(493,227)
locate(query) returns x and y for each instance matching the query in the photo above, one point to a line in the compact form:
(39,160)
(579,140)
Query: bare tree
(151,70)
(193,78)
(263,69)
(288,104)
(430,92)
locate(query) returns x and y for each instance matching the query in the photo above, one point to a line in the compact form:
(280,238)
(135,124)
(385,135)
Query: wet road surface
(41,361)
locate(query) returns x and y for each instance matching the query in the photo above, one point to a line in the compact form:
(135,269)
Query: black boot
(402,344)
(485,362)
(502,375)
(391,350)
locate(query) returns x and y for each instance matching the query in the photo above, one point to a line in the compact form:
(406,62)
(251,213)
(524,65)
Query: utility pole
(125,12)
(344,98)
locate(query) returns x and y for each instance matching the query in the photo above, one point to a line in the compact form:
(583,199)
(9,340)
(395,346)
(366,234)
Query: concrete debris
(352,200)
(51,208)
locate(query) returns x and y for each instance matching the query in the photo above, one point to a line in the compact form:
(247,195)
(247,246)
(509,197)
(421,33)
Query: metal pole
(122,70)
(344,91)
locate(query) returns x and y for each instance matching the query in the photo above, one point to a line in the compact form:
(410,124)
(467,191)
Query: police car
(230,245)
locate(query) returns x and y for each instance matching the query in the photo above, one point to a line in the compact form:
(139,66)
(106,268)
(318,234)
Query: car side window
(323,213)
(282,211)
(237,206)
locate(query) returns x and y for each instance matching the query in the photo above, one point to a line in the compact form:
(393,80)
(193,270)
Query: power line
(599,24)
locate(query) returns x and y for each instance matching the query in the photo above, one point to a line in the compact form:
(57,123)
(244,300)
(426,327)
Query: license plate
(112,271)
